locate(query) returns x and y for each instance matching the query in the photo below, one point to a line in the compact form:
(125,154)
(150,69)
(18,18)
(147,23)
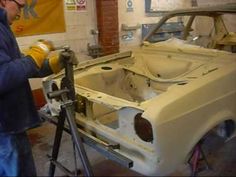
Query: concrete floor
(221,156)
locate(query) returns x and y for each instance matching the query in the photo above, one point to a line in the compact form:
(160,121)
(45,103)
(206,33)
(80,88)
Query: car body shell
(183,90)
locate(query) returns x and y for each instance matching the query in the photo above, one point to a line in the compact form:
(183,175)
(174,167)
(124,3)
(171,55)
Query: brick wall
(107,22)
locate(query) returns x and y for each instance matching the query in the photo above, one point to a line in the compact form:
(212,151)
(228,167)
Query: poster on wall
(76,5)
(40,17)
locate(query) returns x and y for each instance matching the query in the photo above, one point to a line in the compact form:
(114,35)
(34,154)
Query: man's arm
(14,72)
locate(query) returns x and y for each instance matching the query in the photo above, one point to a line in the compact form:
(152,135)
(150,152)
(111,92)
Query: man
(17,111)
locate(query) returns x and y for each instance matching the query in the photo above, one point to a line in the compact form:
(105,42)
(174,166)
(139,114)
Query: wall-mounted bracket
(125,27)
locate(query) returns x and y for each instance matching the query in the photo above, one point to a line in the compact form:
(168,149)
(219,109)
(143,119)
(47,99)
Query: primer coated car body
(156,101)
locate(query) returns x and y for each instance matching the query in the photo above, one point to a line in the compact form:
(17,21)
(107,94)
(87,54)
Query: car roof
(206,10)
(195,11)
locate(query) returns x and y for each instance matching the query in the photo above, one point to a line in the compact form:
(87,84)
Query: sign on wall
(81,5)
(40,17)
(76,5)
(129,5)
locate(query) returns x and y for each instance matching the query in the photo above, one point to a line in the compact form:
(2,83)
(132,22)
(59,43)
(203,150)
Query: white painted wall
(77,35)
(138,16)
(203,25)
(79,24)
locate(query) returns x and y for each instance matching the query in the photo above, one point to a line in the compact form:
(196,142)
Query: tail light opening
(143,128)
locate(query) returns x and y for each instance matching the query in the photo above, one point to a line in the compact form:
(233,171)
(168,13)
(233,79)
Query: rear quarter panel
(185,113)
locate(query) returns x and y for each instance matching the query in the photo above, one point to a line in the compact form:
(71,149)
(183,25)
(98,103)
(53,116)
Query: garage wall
(138,17)
(79,25)
(77,35)
(228,19)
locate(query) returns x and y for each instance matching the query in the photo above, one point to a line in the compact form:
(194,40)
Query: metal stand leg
(69,109)
(195,160)
(56,145)
(67,96)
(197,156)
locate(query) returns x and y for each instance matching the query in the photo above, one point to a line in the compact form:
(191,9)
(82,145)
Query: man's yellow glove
(39,52)
(55,63)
